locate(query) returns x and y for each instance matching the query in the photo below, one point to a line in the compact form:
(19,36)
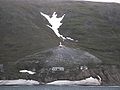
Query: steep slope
(61,56)
(23,32)
(23,29)
(94,25)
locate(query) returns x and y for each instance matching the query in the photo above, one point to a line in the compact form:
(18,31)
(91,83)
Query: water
(47,87)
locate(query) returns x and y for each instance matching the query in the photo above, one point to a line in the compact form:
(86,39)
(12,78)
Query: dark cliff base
(110,74)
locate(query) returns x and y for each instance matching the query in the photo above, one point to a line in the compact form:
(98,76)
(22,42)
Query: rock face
(62,63)
(110,74)
(68,62)
(63,56)
(96,26)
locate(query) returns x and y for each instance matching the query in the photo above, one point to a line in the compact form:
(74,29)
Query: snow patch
(19,82)
(26,71)
(55,24)
(69,38)
(87,81)
(83,68)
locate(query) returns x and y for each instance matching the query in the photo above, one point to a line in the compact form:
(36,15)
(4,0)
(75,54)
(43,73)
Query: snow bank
(87,81)
(18,82)
(26,71)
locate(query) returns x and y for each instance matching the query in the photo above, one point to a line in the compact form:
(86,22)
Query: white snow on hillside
(26,71)
(18,82)
(87,81)
(54,22)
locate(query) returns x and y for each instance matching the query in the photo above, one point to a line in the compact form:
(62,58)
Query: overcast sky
(116,1)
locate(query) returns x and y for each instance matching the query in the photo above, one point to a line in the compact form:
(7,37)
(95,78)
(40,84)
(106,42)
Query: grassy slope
(95,25)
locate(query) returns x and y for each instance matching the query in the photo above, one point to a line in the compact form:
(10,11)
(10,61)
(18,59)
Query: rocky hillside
(23,32)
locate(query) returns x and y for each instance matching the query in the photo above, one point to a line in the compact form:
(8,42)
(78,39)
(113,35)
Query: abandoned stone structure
(57,68)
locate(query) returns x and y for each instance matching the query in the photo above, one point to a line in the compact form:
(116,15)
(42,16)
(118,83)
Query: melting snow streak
(26,71)
(55,23)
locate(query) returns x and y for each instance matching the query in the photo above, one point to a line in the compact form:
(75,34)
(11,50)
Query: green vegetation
(23,31)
